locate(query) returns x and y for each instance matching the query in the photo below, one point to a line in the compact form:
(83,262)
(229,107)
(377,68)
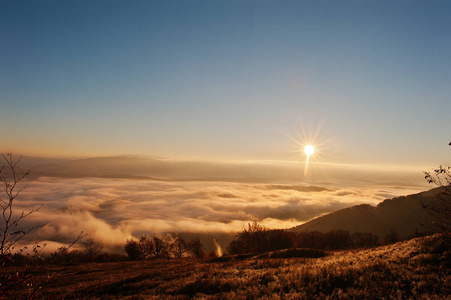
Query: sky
(367,82)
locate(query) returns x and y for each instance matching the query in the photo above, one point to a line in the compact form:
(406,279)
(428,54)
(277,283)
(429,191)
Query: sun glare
(309,146)
(309,150)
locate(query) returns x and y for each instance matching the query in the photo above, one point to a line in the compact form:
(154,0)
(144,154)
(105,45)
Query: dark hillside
(403,214)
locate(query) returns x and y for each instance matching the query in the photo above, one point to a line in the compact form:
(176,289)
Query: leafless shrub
(63,255)
(147,246)
(161,247)
(92,248)
(11,231)
(196,248)
(254,239)
(441,212)
(179,247)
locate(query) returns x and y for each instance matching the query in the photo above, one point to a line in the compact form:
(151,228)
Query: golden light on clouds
(112,210)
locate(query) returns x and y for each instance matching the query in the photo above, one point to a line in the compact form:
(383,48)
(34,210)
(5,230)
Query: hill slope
(405,270)
(403,214)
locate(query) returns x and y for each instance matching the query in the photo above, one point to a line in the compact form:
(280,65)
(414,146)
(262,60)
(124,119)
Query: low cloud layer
(114,210)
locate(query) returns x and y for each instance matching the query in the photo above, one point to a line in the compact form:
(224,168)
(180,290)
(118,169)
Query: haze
(116,198)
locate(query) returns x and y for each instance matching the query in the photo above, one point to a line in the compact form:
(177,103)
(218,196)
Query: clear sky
(237,80)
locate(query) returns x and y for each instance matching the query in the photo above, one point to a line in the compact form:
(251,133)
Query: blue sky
(227,79)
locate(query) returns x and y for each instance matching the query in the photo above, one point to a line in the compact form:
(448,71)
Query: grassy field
(415,269)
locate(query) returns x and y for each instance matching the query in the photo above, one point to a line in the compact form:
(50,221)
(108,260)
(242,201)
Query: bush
(196,248)
(441,212)
(91,248)
(254,239)
(133,250)
(161,247)
(179,247)
(146,246)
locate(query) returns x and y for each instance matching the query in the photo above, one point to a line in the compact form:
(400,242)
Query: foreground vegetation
(419,269)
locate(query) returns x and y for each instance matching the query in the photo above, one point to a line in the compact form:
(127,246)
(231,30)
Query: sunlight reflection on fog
(113,210)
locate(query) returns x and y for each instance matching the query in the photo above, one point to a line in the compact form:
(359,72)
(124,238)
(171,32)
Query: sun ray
(309,146)
(308,150)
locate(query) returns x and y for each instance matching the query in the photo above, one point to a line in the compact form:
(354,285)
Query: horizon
(387,166)
(277,171)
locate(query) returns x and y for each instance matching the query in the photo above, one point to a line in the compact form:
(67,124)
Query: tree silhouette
(133,250)
(179,247)
(254,239)
(11,230)
(147,246)
(160,247)
(196,248)
(391,237)
(92,248)
(441,212)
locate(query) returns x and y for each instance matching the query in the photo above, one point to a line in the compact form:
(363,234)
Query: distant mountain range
(138,167)
(403,215)
(144,167)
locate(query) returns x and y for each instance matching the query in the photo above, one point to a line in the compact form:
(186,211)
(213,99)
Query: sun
(309,150)
(309,145)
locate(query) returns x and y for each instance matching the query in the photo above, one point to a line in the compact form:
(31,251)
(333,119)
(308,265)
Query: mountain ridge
(404,215)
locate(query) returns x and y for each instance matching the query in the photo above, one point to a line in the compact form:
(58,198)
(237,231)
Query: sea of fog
(113,210)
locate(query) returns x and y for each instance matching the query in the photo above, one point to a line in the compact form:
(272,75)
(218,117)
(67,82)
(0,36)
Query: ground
(416,269)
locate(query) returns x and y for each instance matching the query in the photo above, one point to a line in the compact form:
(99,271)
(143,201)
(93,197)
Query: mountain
(403,215)
(150,167)
(154,168)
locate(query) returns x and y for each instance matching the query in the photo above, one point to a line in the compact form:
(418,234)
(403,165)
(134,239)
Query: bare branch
(10,230)
(441,211)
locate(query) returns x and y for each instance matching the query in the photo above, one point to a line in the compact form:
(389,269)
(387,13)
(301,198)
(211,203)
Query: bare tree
(10,230)
(254,239)
(146,245)
(92,248)
(179,247)
(160,247)
(196,248)
(441,212)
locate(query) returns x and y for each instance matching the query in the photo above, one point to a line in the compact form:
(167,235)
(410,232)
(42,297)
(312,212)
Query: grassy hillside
(419,268)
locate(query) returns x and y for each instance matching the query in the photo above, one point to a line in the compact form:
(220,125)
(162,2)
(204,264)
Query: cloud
(299,188)
(114,210)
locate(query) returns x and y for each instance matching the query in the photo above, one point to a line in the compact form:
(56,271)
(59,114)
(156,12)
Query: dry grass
(415,269)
